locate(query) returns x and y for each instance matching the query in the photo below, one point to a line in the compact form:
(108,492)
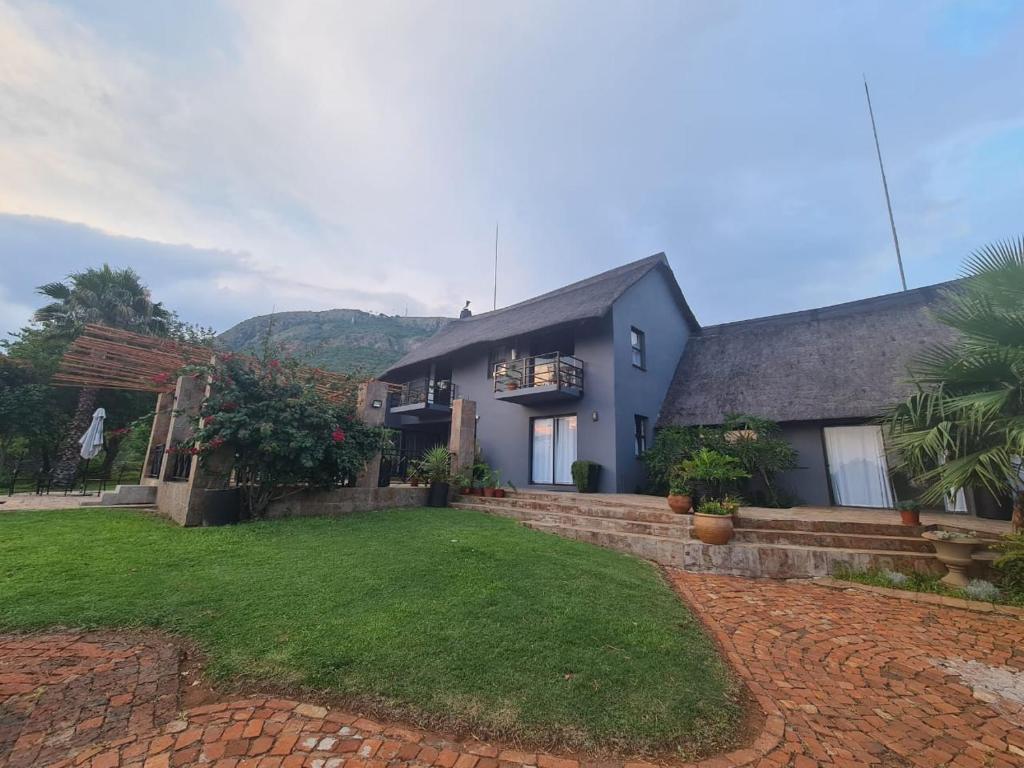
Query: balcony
(423,398)
(539,379)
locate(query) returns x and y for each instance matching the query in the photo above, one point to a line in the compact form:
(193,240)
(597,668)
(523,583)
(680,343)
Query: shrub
(585,475)
(269,423)
(1011,563)
(435,466)
(979,589)
(712,472)
(910,505)
(895,578)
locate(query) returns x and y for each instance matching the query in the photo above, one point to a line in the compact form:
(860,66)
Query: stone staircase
(776,548)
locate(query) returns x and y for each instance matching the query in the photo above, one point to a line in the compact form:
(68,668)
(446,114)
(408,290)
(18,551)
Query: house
(579,372)
(587,371)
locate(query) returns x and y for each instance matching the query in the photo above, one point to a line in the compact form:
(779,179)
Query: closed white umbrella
(92,440)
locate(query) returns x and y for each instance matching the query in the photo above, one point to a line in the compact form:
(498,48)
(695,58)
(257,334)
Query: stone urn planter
(712,529)
(954,551)
(681,504)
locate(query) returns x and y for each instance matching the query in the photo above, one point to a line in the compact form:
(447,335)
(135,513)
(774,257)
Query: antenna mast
(885,186)
(495,265)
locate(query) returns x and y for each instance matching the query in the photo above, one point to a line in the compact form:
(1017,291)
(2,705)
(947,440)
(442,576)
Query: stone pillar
(462,438)
(371,392)
(158,434)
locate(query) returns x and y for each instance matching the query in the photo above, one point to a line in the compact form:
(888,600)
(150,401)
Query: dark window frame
(530,452)
(640,424)
(638,347)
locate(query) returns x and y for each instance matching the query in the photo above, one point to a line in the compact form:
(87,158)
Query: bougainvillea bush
(283,434)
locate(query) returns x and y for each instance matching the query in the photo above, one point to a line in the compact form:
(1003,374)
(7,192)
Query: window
(552,450)
(639,345)
(640,434)
(498,355)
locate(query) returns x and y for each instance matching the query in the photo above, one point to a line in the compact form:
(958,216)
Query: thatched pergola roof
(109,358)
(845,361)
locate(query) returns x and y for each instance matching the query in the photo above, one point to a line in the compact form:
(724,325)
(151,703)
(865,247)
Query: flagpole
(885,186)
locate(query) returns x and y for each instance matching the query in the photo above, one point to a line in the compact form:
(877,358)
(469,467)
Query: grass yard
(451,619)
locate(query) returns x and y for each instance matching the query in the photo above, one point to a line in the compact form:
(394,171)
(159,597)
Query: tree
(964,426)
(113,297)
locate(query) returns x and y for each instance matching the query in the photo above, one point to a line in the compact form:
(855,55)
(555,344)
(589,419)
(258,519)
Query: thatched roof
(585,300)
(844,361)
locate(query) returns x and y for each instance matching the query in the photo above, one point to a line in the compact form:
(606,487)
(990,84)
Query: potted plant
(910,512)
(732,503)
(712,522)
(680,495)
(586,475)
(490,483)
(954,551)
(436,469)
(463,482)
(713,473)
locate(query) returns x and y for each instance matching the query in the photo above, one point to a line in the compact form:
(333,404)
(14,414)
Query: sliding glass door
(553,450)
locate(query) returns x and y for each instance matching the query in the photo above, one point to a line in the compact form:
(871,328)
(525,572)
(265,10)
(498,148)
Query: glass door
(553,450)
(857,466)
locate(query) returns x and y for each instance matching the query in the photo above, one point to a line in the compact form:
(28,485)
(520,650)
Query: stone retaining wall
(344,501)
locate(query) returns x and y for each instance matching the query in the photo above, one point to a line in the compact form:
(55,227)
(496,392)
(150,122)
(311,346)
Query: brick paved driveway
(843,679)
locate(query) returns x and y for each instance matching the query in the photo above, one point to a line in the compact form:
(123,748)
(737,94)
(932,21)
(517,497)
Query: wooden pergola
(110,358)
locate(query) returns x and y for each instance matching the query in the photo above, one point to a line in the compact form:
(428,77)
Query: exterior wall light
(594,416)
(377,404)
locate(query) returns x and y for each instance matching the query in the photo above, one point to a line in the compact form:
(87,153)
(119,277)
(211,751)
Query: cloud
(323,154)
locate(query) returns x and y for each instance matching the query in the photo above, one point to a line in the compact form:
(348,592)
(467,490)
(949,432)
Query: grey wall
(503,429)
(810,481)
(650,306)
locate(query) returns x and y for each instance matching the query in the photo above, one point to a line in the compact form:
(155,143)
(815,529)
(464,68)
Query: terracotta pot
(712,529)
(465,490)
(955,554)
(910,516)
(499,493)
(489,492)
(680,504)
(477,491)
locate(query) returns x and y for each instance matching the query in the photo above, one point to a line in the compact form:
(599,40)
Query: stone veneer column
(462,438)
(373,417)
(158,434)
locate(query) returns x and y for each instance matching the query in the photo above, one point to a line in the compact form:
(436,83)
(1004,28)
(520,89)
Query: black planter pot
(221,506)
(438,495)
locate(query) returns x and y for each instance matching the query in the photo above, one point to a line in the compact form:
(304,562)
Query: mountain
(336,339)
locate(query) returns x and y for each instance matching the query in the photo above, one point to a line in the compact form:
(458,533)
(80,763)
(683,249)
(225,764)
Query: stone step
(544,503)
(656,548)
(125,496)
(676,530)
(830,526)
(749,559)
(858,541)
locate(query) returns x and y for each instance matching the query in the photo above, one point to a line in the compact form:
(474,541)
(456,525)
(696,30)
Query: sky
(245,157)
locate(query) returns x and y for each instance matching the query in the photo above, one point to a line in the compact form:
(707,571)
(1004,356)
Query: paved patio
(843,678)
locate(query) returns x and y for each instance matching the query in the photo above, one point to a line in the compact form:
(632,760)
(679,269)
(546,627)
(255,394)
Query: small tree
(964,427)
(280,431)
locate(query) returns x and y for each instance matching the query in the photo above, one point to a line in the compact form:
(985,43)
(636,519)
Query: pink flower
(217,442)
(229,406)
(338,436)
(208,421)
(162,378)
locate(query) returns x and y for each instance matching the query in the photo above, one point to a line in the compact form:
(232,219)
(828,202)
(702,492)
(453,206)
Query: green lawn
(448,618)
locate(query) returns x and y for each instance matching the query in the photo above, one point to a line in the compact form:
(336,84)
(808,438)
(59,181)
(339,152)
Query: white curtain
(565,448)
(554,450)
(543,450)
(857,466)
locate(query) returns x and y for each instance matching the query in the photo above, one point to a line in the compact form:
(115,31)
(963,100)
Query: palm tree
(964,427)
(114,297)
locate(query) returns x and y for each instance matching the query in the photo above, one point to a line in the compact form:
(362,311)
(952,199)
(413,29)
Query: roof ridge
(869,302)
(649,261)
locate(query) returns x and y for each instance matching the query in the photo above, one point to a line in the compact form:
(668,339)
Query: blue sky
(247,156)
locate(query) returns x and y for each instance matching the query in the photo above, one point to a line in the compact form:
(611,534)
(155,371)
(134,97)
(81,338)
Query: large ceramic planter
(680,504)
(437,495)
(955,554)
(712,529)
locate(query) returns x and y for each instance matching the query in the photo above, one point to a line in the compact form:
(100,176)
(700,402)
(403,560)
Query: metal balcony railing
(439,392)
(551,370)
